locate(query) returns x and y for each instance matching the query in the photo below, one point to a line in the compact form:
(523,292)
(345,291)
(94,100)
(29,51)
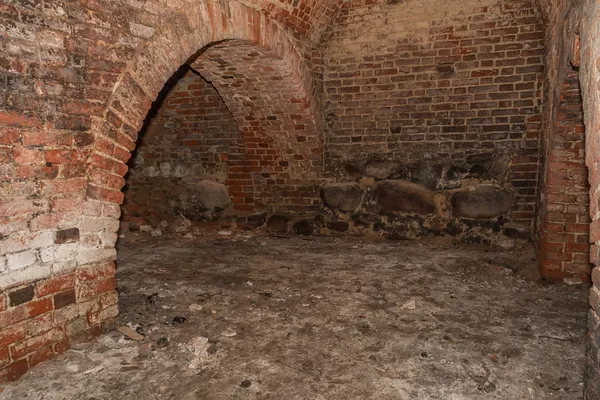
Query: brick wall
(443,82)
(564,231)
(40,319)
(590,81)
(193,136)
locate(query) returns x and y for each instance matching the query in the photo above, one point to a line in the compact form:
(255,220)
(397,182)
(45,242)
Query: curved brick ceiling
(310,18)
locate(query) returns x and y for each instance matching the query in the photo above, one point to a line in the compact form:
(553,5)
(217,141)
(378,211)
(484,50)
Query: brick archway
(67,145)
(115,135)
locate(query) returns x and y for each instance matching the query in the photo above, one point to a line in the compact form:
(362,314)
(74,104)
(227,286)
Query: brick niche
(191,136)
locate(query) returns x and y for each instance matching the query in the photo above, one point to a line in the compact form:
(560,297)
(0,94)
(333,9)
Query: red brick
(14,371)
(38,307)
(18,119)
(55,284)
(40,356)
(29,346)
(12,335)
(13,316)
(4,357)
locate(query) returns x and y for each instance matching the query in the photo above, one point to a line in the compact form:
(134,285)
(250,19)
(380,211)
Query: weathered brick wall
(77,80)
(563,217)
(590,84)
(451,83)
(192,137)
(564,231)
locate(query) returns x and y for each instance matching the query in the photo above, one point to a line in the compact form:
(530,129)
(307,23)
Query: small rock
(163,389)
(131,333)
(246,383)
(188,236)
(517,231)
(152,298)
(303,227)
(225,233)
(162,342)
(229,333)
(72,368)
(145,350)
(94,370)
(198,345)
(96,357)
(163,225)
(338,226)
(489,387)
(156,233)
(145,228)
(257,220)
(506,243)
(573,281)
(195,307)
(212,349)
(278,223)
(410,305)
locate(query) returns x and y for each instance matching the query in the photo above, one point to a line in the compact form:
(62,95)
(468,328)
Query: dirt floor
(256,317)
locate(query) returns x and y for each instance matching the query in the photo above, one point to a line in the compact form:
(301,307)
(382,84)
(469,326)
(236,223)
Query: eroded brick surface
(447,95)
(564,231)
(590,79)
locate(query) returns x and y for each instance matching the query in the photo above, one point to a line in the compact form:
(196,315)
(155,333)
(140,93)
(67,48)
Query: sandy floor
(254,317)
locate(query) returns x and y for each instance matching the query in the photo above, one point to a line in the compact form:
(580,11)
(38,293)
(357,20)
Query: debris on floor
(329,318)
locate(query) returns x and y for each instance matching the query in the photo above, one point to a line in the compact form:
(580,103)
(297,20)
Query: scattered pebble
(130,333)
(410,305)
(573,281)
(229,333)
(246,383)
(195,307)
(156,233)
(94,370)
(72,368)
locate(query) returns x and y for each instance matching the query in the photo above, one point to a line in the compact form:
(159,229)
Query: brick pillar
(590,84)
(564,232)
